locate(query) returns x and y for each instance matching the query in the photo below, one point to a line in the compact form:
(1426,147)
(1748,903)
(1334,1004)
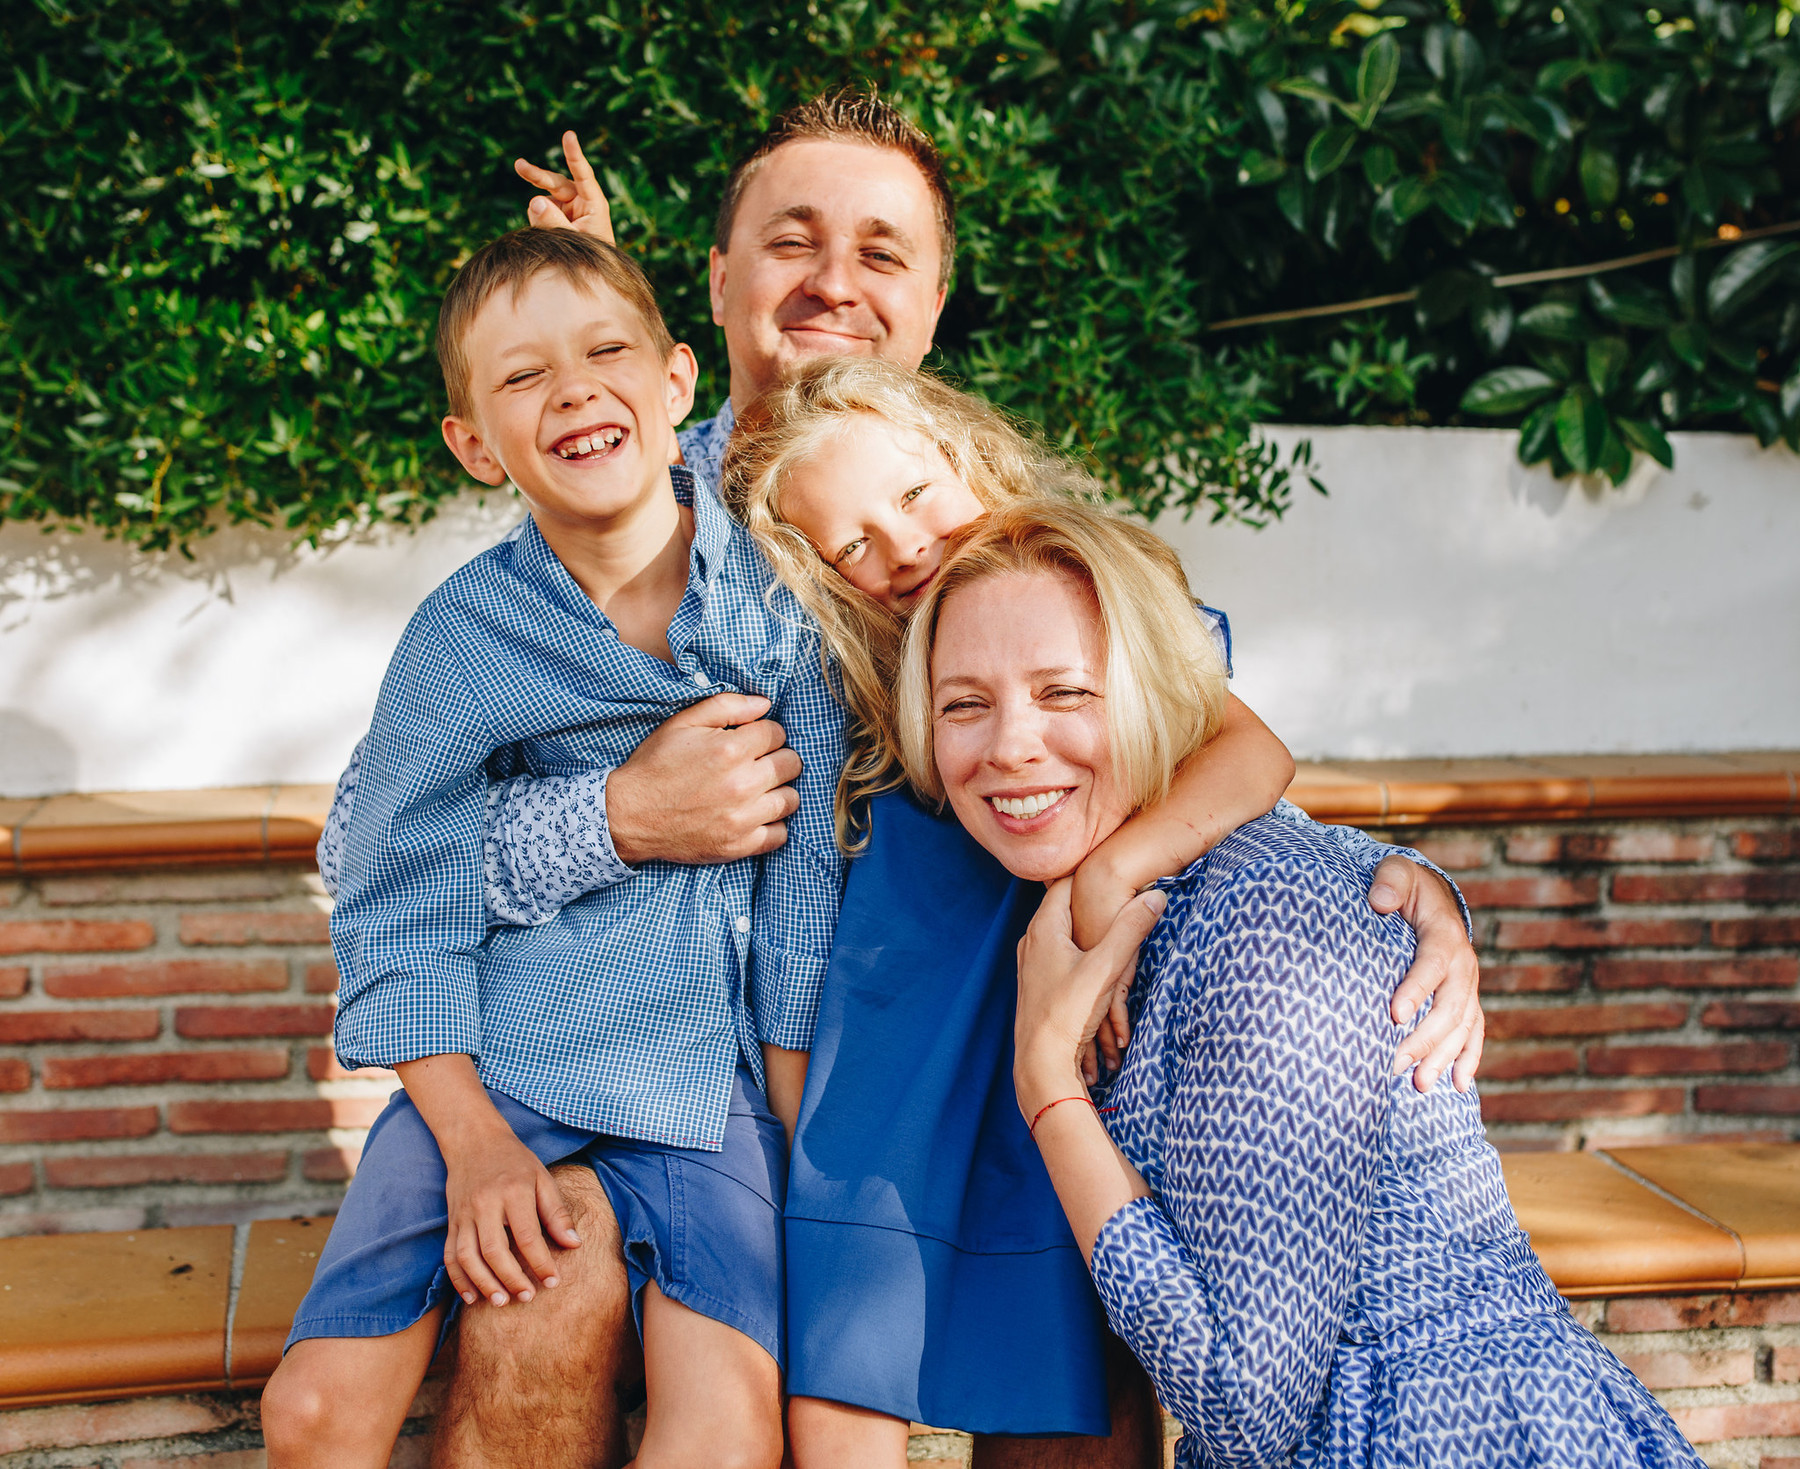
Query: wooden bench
(158,1313)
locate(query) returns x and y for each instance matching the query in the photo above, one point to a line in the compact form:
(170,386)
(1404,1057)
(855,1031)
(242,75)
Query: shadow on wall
(39,760)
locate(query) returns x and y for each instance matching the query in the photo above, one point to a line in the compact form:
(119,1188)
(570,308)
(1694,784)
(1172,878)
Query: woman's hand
(575,203)
(1065,991)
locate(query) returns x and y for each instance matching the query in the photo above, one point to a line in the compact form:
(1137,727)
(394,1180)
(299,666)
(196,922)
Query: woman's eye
(960,706)
(1065,698)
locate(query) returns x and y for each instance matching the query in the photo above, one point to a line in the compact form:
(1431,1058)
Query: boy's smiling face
(570,400)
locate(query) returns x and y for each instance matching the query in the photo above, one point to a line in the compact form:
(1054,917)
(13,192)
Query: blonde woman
(1316,1262)
(931,1275)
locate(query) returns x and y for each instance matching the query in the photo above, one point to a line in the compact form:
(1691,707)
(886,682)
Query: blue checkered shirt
(627,1011)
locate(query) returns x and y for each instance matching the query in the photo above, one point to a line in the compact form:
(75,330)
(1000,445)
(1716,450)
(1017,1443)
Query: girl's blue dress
(931,1272)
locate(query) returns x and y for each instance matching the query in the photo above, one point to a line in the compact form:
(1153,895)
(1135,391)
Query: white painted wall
(1442,601)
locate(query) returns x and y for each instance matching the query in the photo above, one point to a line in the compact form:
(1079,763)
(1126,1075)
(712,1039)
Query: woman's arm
(1235,777)
(1231,1285)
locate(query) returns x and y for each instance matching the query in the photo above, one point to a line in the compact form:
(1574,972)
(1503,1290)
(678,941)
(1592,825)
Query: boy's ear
(683,375)
(466,444)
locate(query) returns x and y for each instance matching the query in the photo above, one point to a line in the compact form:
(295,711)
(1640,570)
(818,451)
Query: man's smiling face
(571,400)
(834,249)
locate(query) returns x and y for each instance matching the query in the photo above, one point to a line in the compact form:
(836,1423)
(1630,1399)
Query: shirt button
(743,925)
(701,679)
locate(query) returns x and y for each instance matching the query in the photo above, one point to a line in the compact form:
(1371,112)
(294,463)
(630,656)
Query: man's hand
(575,203)
(497,1192)
(1444,970)
(714,783)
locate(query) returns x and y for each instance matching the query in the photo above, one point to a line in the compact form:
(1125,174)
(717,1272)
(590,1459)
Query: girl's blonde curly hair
(999,459)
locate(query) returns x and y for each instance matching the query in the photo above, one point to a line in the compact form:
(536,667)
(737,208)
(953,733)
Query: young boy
(624,1036)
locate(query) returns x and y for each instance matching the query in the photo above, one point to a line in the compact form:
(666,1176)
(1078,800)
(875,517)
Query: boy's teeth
(1026,807)
(590,443)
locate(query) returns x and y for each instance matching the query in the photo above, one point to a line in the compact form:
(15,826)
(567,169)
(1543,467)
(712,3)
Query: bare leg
(338,1402)
(537,1383)
(827,1435)
(714,1394)
(1136,1441)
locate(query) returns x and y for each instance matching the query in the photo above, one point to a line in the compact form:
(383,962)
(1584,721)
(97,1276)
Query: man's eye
(882,257)
(850,554)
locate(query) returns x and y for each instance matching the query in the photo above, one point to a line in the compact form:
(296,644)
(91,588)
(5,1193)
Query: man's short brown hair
(512,261)
(849,115)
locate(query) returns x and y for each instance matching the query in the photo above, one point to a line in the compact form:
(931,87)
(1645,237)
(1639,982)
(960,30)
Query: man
(836,234)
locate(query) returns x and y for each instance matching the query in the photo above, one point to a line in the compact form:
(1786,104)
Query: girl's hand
(1065,991)
(1098,896)
(575,203)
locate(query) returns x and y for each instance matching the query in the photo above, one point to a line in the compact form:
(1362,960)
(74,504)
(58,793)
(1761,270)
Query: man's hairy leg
(339,1402)
(713,1395)
(1136,1441)
(537,1384)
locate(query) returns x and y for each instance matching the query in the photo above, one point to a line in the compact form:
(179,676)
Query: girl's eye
(912,494)
(850,553)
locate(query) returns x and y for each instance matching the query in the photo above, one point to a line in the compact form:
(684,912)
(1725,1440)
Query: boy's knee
(297,1406)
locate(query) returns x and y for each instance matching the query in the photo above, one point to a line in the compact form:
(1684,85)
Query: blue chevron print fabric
(1329,1272)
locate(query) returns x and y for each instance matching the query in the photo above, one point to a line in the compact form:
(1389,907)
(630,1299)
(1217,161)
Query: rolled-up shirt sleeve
(801,886)
(547,843)
(410,915)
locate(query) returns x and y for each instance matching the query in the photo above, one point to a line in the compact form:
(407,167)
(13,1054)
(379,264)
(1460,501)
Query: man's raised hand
(573,203)
(711,784)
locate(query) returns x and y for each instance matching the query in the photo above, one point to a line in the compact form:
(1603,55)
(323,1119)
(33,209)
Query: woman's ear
(465,442)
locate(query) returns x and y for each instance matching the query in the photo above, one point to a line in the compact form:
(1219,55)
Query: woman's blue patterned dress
(1329,1272)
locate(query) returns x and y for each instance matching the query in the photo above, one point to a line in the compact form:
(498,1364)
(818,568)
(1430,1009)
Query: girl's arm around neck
(1236,777)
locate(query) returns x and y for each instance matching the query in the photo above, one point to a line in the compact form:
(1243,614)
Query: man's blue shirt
(627,1011)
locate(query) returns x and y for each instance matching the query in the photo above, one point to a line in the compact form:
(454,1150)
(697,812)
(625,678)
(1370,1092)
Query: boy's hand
(1444,970)
(575,203)
(712,784)
(497,1192)
(1099,896)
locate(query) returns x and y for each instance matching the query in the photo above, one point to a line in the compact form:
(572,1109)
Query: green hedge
(225,227)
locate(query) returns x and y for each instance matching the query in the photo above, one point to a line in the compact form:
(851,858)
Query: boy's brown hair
(510,262)
(849,115)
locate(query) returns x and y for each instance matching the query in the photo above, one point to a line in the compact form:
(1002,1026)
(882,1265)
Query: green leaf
(1615,458)
(1645,436)
(1537,435)
(1784,93)
(1790,396)
(1599,174)
(1290,198)
(1688,342)
(1764,421)
(1412,197)
(1379,165)
(1612,83)
(1629,305)
(1744,275)
(1560,321)
(1376,74)
(1507,390)
(1606,359)
(1581,428)
(1491,317)
(1327,151)
(1311,90)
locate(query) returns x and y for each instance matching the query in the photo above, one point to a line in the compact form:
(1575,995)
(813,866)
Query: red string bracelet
(1032,1130)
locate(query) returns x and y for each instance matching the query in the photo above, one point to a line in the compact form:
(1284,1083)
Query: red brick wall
(164,1036)
(1642,979)
(165,1050)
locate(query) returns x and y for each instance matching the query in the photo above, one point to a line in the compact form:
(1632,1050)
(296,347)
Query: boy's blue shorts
(706,1227)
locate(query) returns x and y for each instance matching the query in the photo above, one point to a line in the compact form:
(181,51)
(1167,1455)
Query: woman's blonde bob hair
(1000,461)
(1165,680)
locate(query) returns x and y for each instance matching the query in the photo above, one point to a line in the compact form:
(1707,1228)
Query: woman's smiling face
(1019,732)
(878,501)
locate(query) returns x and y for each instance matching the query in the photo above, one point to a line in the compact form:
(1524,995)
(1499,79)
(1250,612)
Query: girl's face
(878,502)
(1018,690)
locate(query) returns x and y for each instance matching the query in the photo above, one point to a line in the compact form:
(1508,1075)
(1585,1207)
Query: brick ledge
(281,824)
